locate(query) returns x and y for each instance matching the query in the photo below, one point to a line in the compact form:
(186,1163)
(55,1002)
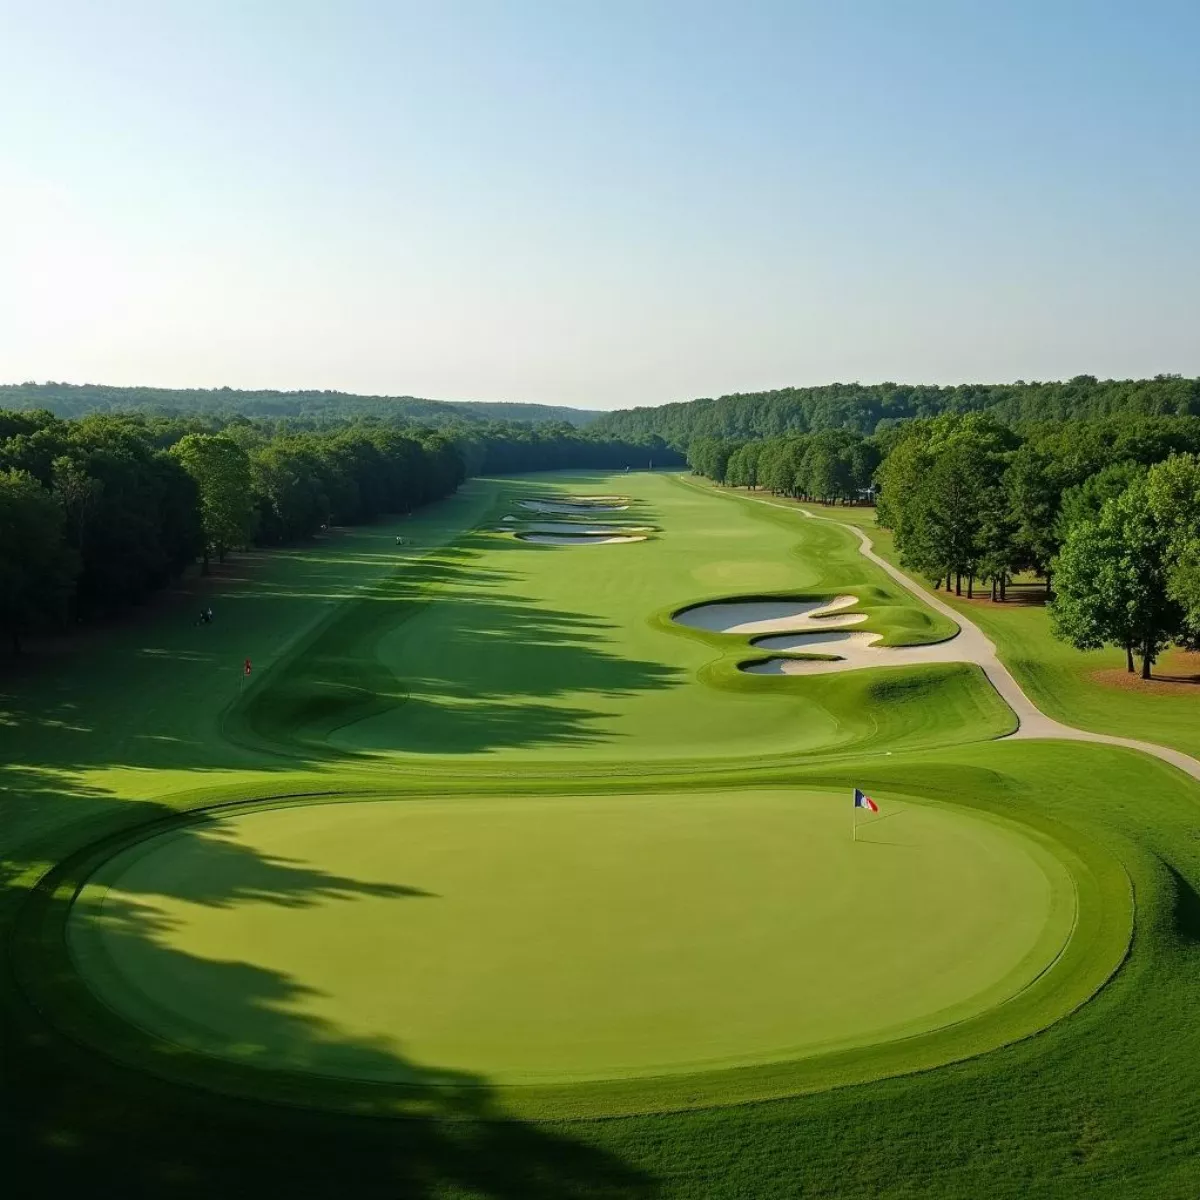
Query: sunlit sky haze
(596,203)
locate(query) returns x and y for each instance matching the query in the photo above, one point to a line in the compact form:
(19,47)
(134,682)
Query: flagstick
(854,823)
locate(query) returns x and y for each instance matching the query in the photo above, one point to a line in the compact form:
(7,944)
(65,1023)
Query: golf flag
(862,800)
(246,669)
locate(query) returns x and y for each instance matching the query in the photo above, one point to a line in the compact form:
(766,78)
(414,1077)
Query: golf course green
(558,939)
(501,829)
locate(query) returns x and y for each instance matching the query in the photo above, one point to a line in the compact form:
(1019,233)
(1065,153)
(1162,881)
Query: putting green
(555,939)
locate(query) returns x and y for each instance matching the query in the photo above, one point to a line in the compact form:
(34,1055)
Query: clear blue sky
(597,204)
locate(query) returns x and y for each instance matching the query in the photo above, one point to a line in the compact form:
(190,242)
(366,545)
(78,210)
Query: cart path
(970,645)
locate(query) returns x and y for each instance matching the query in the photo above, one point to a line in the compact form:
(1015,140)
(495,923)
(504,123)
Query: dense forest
(96,513)
(1106,511)
(79,400)
(874,408)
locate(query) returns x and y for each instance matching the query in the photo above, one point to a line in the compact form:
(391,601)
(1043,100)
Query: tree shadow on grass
(500,676)
(113,1119)
(78,1120)
(494,670)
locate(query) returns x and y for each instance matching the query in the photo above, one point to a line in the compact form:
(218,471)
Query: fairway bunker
(562,539)
(580,529)
(853,651)
(559,940)
(562,508)
(770,616)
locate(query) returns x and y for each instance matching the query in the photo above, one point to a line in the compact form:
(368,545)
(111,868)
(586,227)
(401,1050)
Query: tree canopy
(875,408)
(101,510)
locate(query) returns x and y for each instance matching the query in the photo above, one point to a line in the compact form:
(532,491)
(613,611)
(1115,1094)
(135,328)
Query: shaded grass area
(1100,1104)
(1117,1071)
(536,653)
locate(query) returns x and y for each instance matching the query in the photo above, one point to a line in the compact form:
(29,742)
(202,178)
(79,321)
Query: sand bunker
(771,616)
(582,530)
(571,510)
(559,539)
(853,650)
(813,627)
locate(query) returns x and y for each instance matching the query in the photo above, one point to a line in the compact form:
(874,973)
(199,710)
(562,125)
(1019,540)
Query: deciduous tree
(1112,582)
(221,469)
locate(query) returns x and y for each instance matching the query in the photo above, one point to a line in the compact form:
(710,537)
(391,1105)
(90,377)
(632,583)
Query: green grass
(752,954)
(533,654)
(497,680)
(1061,680)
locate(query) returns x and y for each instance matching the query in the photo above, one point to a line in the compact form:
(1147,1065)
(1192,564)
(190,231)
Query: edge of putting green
(1096,947)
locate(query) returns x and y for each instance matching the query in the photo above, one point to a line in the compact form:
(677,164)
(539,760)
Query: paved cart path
(970,645)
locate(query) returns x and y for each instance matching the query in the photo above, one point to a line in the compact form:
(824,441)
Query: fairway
(557,939)
(503,828)
(500,649)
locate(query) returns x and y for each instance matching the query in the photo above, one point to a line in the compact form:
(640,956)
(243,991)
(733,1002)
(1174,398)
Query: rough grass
(1058,678)
(491,672)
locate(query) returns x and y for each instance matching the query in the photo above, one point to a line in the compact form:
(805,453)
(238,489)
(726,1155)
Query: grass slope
(118,740)
(1063,681)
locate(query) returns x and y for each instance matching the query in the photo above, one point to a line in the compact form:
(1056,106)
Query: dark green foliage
(876,408)
(508,449)
(36,567)
(1112,581)
(135,499)
(1084,501)
(103,510)
(1173,495)
(836,464)
(72,400)
(221,471)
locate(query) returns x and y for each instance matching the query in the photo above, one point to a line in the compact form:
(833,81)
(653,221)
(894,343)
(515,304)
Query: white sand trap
(853,650)
(572,510)
(559,539)
(771,616)
(581,529)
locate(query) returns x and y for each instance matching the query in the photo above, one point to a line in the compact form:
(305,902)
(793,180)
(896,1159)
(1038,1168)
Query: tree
(221,469)
(1112,582)
(1086,500)
(1033,488)
(953,500)
(37,569)
(1173,492)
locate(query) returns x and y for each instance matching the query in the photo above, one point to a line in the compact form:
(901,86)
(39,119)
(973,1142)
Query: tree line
(79,400)
(874,408)
(1105,511)
(836,464)
(508,448)
(99,512)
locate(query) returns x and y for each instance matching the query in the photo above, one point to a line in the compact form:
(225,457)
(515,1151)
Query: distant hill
(77,400)
(867,408)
